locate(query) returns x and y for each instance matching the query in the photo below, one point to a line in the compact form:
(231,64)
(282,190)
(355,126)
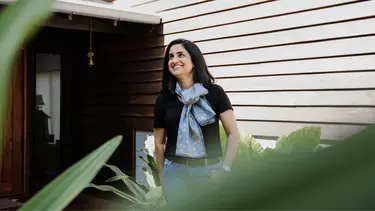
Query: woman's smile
(176,67)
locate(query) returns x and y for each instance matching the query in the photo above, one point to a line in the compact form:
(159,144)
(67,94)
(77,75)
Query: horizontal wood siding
(284,64)
(275,129)
(204,9)
(307,66)
(115,95)
(349,80)
(267,10)
(158,6)
(337,98)
(313,12)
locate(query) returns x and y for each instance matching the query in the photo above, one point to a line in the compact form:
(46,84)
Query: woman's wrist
(226,168)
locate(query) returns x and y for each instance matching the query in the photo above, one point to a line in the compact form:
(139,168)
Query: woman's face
(180,64)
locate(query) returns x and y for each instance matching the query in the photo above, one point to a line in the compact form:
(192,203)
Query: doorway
(46,145)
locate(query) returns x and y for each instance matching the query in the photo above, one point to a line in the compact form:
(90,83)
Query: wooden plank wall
(117,95)
(284,64)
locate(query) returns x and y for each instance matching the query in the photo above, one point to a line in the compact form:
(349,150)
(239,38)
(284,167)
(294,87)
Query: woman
(186,124)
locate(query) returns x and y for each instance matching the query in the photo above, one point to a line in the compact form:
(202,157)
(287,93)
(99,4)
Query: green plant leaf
(62,190)
(301,141)
(255,146)
(116,178)
(144,151)
(18,22)
(154,168)
(138,192)
(115,191)
(151,159)
(143,159)
(150,179)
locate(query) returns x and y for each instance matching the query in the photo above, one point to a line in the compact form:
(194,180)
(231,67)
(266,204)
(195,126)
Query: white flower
(150,145)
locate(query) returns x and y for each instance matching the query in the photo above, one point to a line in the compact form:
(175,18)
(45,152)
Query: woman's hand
(218,174)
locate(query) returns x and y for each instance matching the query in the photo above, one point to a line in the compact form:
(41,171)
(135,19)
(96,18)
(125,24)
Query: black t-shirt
(167,113)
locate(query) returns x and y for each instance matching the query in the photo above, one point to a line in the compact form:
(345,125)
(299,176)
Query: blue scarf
(195,113)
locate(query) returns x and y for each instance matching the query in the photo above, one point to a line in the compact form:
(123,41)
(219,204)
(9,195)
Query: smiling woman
(187,114)
(180,64)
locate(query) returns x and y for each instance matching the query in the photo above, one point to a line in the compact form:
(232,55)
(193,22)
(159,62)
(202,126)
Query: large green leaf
(17,23)
(337,178)
(62,190)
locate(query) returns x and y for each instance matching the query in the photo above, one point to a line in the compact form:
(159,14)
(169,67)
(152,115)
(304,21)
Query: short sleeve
(223,102)
(159,112)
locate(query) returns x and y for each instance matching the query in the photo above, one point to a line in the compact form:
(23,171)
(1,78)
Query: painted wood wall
(284,64)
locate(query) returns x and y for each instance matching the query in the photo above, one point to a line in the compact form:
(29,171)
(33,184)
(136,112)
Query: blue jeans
(179,177)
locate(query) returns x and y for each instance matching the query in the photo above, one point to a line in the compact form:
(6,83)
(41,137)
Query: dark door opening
(45,148)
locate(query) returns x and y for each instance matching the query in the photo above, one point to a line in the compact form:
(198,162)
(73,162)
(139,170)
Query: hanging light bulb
(90,54)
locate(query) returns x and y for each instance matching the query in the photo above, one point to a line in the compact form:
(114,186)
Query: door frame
(16,131)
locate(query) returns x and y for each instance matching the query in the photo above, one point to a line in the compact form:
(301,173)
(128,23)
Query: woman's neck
(186,83)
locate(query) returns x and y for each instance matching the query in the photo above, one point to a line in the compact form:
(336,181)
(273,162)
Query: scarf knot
(196,112)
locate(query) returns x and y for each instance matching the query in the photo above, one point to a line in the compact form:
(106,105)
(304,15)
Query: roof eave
(93,9)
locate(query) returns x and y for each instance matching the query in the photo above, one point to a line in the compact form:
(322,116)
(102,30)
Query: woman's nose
(175,59)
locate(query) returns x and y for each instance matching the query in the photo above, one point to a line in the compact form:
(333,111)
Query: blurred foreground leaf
(62,190)
(339,177)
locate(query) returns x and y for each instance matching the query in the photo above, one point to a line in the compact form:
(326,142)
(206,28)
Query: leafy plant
(248,147)
(300,141)
(142,197)
(251,154)
(303,140)
(155,179)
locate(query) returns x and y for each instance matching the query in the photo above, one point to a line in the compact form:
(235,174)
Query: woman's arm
(159,137)
(228,120)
